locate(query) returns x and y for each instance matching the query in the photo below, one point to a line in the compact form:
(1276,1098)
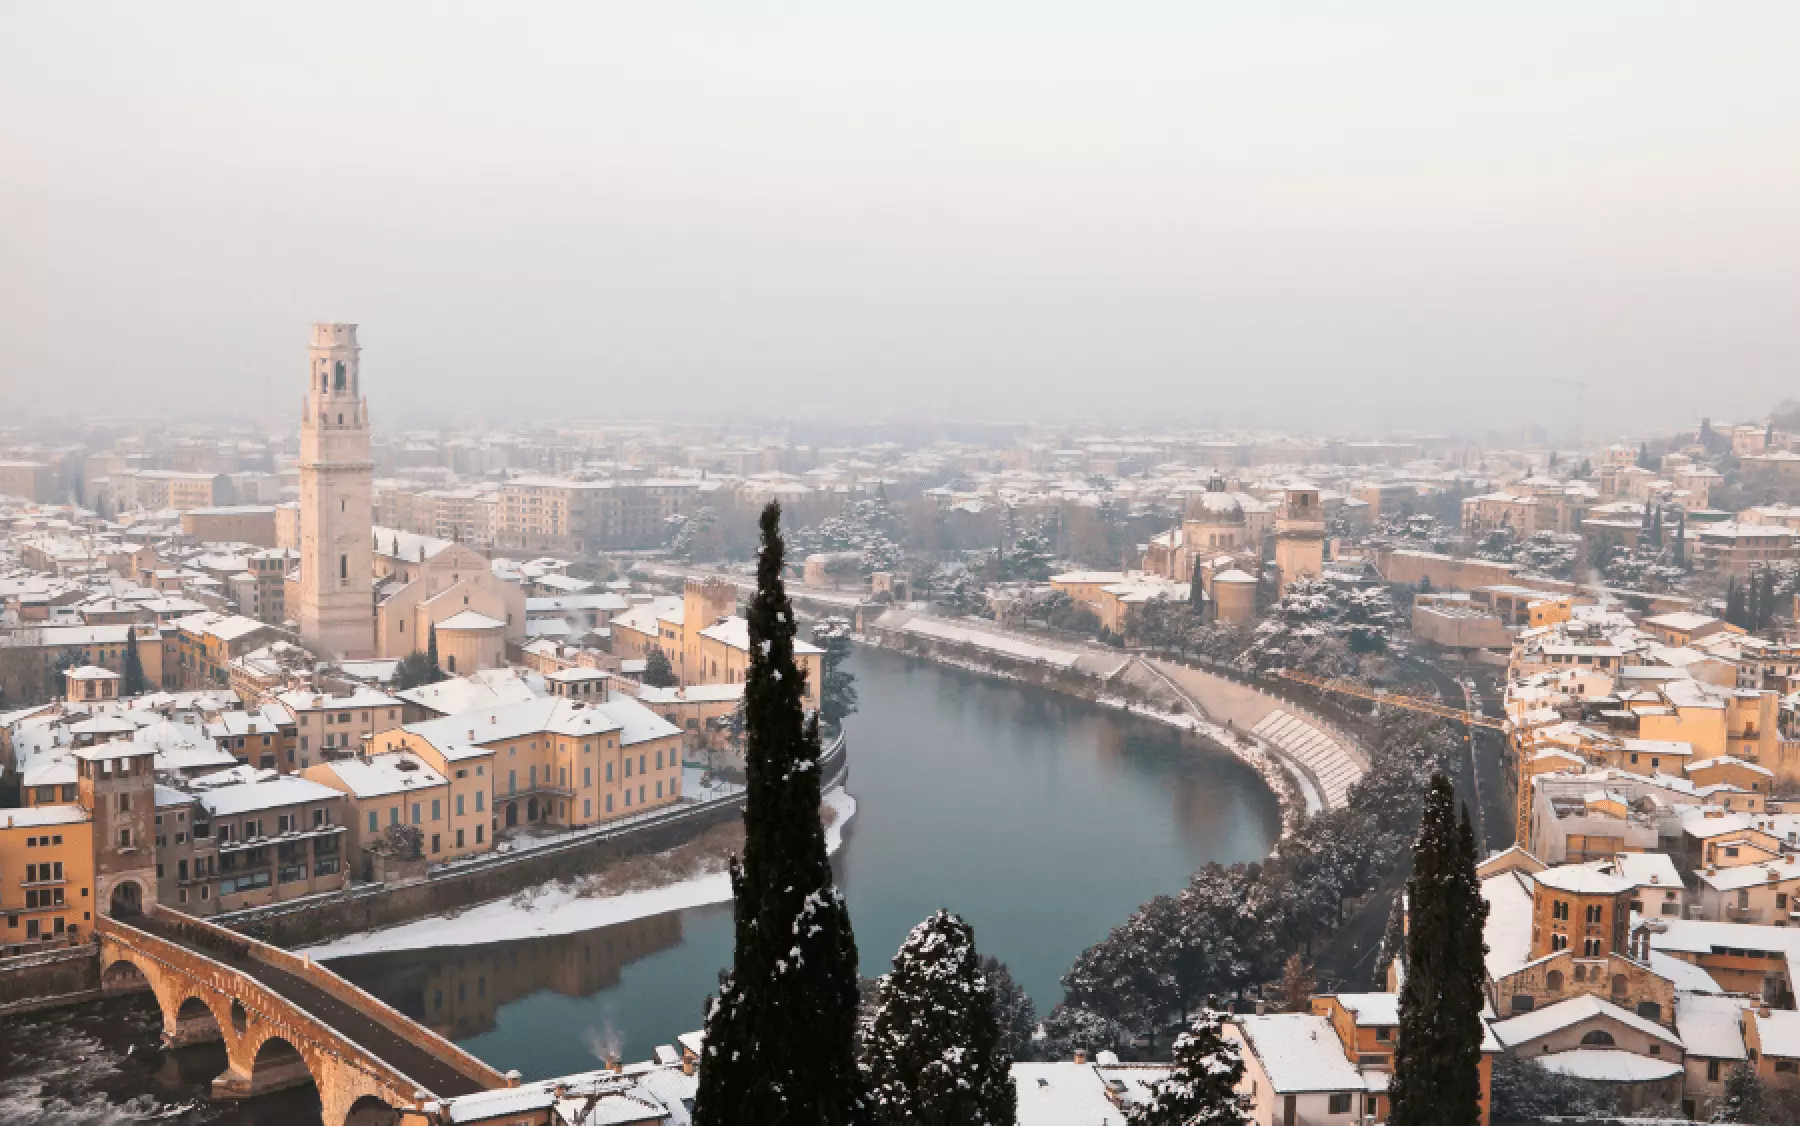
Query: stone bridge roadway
(285,1020)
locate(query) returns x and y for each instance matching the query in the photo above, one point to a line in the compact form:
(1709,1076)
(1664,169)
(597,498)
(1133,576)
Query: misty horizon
(1425,220)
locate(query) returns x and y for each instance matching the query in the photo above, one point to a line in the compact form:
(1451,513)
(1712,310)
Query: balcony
(1738,914)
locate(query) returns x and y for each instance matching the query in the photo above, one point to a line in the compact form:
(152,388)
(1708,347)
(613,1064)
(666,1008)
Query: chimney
(1080,1056)
(687,1063)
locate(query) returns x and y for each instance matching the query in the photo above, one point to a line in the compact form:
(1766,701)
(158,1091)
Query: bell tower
(336,604)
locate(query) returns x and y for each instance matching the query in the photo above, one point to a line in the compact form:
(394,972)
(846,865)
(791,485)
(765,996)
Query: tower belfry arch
(335,601)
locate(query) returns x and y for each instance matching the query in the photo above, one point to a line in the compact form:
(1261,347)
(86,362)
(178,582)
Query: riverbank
(1296,791)
(561,907)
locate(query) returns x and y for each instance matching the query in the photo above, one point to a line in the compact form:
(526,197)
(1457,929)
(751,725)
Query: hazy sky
(1339,214)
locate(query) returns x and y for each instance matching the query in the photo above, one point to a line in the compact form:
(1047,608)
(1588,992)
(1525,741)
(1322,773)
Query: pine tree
(1012,1008)
(781,1035)
(1743,1098)
(658,672)
(1437,1078)
(1734,603)
(1200,1089)
(937,1054)
(134,681)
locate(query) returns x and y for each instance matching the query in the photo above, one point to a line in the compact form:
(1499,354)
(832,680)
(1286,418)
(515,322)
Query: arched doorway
(512,814)
(127,900)
(531,809)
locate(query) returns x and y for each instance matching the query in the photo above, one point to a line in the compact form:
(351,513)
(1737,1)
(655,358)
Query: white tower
(337,609)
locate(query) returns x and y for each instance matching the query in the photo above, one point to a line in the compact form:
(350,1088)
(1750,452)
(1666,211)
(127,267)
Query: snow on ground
(556,909)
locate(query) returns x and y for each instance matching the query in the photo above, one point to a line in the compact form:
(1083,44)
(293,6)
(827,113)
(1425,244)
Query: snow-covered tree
(1012,1008)
(1030,558)
(936,1054)
(1523,1090)
(1070,1029)
(1324,627)
(1200,1089)
(867,526)
(781,1035)
(837,687)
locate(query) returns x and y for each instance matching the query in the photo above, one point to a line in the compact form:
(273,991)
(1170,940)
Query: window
(478,829)
(459,805)
(1787,1067)
(1338,1103)
(1593,913)
(609,772)
(415,811)
(587,776)
(436,808)
(480,800)
(374,819)
(1599,1038)
(609,803)
(1384,1034)
(1590,947)
(459,838)
(1559,909)
(1712,1070)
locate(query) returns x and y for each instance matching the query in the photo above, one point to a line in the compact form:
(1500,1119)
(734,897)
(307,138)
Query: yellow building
(396,788)
(46,876)
(422,580)
(551,761)
(328,727)
(704,639)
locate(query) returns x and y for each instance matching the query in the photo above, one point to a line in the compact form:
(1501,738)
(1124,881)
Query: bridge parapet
(284,1020)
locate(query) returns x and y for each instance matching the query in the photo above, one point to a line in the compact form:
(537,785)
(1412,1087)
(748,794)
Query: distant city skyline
(1397,217)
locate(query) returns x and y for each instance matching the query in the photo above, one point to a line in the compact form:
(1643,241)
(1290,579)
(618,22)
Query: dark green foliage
(1200,1088)
(133,682)
(658,672)
(431,653)
(1235,926)
(1524,1090)
(781,1035)
(936,1054)
(414,670)
(837,690)
(1437,1078)
(1744,1100)
(1012,1008)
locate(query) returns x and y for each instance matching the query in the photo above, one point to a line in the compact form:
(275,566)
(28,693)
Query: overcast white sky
(1339,214)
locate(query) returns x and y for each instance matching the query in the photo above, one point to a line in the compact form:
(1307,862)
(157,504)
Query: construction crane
(1470,721)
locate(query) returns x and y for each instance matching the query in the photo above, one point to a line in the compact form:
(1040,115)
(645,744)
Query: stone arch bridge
(284,1020)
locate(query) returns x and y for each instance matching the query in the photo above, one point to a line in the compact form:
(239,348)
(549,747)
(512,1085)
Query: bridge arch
(370,1110)
(195,1022)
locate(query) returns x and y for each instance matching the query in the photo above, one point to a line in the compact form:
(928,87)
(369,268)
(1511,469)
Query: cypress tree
(1734,603)
(1199,1090)
(1196,592)
(1768,599)
(431,648)
(780,1036)
(135,682)
(937,1055)
(1681,539)
(1437,1077)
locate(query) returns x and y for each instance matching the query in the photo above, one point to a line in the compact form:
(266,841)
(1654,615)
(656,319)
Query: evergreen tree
(1743,1098)
(1734,603)
(658,672)
(1437,1079)
(1200,1088)
(937,1054)
(1643,458)
(1196,592)
(837,688)
(431,653)
(1297,985)
(134,682)
(1012,1008)
(1768,599)
(1681,539)
(781,1035)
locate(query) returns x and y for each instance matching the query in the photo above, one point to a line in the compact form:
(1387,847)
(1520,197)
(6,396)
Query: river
(1042,819)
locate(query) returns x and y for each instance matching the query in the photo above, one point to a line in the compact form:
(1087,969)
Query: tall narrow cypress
(1437,1062)
(431,647)
(780,1037)
(134,682)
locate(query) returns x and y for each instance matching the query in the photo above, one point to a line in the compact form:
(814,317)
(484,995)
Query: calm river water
(1042,820)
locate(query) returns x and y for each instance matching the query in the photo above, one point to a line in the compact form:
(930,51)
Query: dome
(1215,508)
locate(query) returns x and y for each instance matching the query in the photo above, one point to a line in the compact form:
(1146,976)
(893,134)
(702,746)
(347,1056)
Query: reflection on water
(1042,819)
(457,990)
